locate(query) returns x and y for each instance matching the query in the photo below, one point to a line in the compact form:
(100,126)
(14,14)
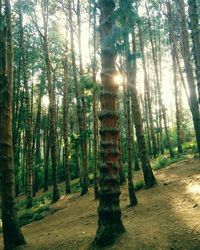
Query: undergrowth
(163,161)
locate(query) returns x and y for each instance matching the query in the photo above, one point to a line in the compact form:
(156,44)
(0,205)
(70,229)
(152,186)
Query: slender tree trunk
(161,105)
(146,166)
(11,232)
(52,105)
(195,34)
(17,125)
(29,133)
(108,229)
(83,121)
(147,90)
(46,155)
(173,53)
(37,142)
(80,106)
(95,116)
(131,190)
(194,107)
(178,113)
(65,129)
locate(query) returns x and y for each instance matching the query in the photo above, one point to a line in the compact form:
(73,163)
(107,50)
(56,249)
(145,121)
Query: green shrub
(139,184)
(26,217)
(38,216)
(163,161)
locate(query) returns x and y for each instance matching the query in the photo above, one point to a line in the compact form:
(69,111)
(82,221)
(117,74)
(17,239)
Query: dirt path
(166,218)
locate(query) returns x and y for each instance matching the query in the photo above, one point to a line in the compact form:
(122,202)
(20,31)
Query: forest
(100,124)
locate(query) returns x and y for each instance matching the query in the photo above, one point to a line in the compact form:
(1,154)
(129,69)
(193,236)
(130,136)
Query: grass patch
(139,184)
(37,212)
(163,161)
(190,147)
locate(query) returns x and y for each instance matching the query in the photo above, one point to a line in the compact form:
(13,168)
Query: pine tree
(12,234)
(109,224)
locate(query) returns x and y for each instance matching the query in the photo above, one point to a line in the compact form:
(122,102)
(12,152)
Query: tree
(195,34)
(158,85)
(95,116)
(173,53)
(147,90)
(109,224)
(29,133)
(194,106)
(65,128)
(83,116)
(80,102)
(12,234)
(52,101)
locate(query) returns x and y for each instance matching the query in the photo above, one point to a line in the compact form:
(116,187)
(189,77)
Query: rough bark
(109,224)
(11,232)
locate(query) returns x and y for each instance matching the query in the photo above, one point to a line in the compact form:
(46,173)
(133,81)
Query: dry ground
(166,218)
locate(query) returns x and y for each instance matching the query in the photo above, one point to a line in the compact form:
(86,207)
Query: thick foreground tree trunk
(11,232)
(109,224)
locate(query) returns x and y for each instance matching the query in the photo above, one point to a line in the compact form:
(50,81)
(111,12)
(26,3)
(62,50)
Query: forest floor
(166,218)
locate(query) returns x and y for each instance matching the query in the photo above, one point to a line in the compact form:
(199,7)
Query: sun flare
(118,79)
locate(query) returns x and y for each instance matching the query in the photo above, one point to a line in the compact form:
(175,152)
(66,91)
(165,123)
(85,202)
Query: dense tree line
(71,111)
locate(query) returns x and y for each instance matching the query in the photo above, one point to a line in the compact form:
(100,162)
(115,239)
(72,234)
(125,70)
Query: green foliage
(163,161)
(190,147)
(41,207)
(139,184)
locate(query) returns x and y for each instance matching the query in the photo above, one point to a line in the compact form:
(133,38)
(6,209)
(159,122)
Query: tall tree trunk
(29,133)
(17,125)
(46,154)
(37,142)
(161,105)
(173,53)
(146,166)
(12,234)
(147,90)
(194,107)
(95,116)
(83,122)
(131,190)
(65,129)
(195,33)
(80,106)
(52,105)
(178,112)
(108,229)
